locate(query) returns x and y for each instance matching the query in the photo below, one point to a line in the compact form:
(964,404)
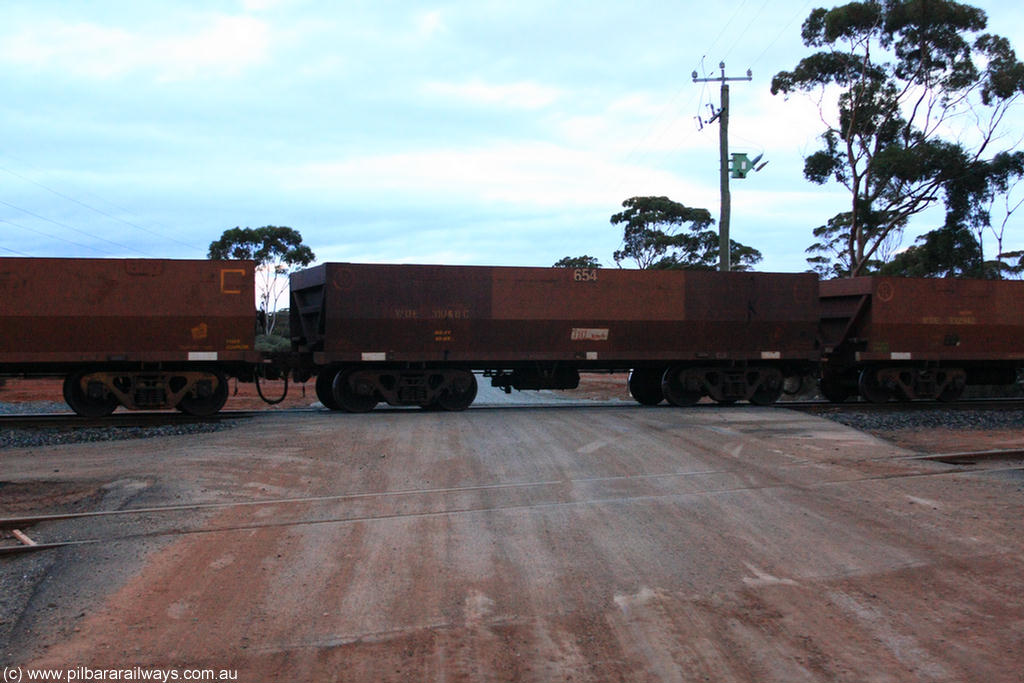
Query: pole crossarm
(723,78)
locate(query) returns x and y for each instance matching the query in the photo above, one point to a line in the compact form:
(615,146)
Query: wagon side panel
(72,310)
(485,315)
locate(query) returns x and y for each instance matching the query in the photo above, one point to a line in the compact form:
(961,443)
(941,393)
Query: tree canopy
(277,250)
(661,233)
(939,253)
(577,262)
(921,96)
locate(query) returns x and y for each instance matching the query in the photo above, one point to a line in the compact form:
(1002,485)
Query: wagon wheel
(434,382)
(98,402)
(953,390)
(766,395)
(460,394)
(204,404)
(674,391)
(324,388)
(904,389)
(352,394)
(793,385)
(871,389)
(769,389)
(833,389)
(645,386)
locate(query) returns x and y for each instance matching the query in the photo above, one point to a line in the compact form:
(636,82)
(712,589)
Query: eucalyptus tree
(277,250)
(588,262)
(661,233)
(914,96)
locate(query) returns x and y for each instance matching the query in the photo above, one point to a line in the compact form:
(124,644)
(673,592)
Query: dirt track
(600,543)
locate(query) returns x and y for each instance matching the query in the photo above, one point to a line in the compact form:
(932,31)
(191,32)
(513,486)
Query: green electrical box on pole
(740,165)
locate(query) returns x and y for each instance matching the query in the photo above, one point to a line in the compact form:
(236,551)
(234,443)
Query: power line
(782,31)
(55,237)
(669,114)
(68,227)
(13,251)
(97,210)
(726,27)
(744,32)
(662,128)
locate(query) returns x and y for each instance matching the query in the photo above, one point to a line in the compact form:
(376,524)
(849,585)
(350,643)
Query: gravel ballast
(869,419)
(873,420)
(57,436)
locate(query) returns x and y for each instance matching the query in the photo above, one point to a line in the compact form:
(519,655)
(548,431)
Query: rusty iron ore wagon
(153,333)
(414,335)
(887,337)
(139,333)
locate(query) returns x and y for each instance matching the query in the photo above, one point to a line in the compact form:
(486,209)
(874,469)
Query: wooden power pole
(723,138)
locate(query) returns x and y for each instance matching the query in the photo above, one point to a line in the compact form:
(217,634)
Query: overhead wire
(670,113)
(782,31)
(69,227)
(14,251)
(64,196)
(743,33)
(667,118)
(725,28)
(55,237)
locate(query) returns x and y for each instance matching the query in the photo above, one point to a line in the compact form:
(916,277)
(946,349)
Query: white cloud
(521,95)
(639,127)
(222,45)
(429,24)
(263,5)
(533,174)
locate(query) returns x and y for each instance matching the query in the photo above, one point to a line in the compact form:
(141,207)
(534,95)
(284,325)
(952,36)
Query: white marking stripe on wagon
(374,355)
(202,355)
(591,355)
(589,334)
(900,355)
(771,355)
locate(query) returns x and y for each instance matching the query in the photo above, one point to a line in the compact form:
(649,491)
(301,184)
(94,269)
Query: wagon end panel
(845,308)
(307,308)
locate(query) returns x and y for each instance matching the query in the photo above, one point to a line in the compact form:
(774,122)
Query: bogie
(94,392)
(358,390)
(879,383)
(760,385)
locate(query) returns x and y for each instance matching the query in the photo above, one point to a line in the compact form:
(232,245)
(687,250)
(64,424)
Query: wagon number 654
(584,275)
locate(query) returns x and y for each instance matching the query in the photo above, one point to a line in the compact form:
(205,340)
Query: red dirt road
(536,544)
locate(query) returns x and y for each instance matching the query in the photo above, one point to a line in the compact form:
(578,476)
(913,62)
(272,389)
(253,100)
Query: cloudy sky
(484,132)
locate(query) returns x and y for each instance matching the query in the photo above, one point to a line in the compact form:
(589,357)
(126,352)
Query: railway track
(864,406)
(143,419)
(146,419)
(15,539)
